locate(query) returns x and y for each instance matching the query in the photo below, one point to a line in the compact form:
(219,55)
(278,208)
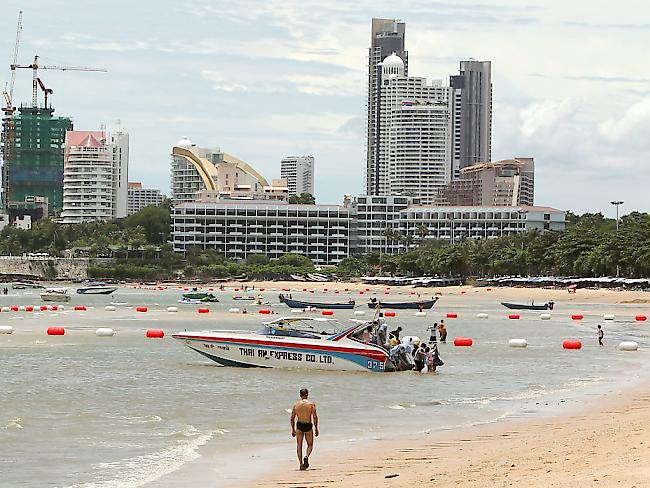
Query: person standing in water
(304,425)
(600,335)
(443,332)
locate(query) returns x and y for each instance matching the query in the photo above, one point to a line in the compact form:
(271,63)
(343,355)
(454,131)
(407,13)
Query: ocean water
(124,411)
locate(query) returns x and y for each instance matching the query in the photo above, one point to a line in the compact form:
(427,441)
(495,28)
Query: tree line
(590,246)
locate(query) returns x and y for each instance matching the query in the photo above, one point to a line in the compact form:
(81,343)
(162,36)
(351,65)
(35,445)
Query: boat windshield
(307,328)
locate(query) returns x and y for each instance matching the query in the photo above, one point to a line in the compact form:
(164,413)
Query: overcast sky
(266,79)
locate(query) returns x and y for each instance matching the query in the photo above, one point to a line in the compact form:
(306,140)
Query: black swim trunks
(303,426)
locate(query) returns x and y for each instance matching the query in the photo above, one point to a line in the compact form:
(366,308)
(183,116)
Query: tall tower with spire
(387,37)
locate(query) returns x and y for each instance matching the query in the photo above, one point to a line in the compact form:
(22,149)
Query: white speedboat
(291,342)
(55,295)
(96,290)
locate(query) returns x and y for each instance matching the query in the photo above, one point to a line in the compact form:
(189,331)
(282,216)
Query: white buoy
(5,309)
(6,329)
(61,308)
(359,312)
(172,309)
(233,310)
(608,316)
(628,346)
(109,308)
(420,314)
(545,316)
(21,308)
(104,332)
(518,343)
(481,316)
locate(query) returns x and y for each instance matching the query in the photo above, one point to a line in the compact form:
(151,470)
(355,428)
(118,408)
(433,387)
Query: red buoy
(54,308)
(155,333)
(14,308)
(304,289)
(640,318)
(438,293)
(412,293)
(141,309)
(463,292)
(29,308)
(389,314)
(572,344)
(463,342)
(324,290)
(43,308)
(514,316)
(577,316)
(262,289)
(336,291)
(286,289)
(452,315)
(204,310)
(327,312)
(361,293)
(81,308)
(55,331)
(488,289)
(264,311)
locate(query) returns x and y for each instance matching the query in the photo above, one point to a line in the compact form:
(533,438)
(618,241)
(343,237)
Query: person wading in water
(305,413)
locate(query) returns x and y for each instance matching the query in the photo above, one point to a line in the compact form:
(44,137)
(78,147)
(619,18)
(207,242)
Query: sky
(267,79)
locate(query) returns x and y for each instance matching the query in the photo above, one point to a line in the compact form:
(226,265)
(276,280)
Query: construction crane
(9,95)
(35,67)
(46,91)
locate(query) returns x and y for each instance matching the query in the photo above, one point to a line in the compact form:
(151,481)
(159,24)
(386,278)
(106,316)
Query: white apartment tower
(299,173)
(414,134)
(95,175)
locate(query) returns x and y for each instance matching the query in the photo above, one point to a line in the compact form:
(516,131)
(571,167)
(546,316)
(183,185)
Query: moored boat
(422,304)
(201,296)
(55,295)
(21,285)
(289,302)
(525,306)
(291,342)
(96,290)
(243,298)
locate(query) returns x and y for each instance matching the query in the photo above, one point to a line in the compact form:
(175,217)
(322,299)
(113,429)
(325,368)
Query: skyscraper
(386,37)
(472,142)
(34,167)
(299,173)
(94,168)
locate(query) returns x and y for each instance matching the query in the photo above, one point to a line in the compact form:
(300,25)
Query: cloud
(616,26)
(635,119)
(545,115)
(608,79)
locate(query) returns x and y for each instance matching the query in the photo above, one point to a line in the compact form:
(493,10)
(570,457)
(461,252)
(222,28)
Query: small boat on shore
(59,295)
(243,298)
(424,304)
(302,304)
(21,285)
(525,306)
(201,297)
(96,289)
(291,342)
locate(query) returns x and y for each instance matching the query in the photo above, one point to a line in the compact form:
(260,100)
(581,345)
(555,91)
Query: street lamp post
(617,203)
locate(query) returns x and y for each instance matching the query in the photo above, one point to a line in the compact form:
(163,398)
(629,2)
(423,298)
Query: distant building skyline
(298,171)
(140,197)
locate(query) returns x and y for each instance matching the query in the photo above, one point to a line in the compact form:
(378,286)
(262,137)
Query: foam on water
(137,471)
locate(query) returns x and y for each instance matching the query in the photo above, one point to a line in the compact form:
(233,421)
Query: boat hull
(517,306)
(272,352)
(300,304)
(426,305)
(96,291)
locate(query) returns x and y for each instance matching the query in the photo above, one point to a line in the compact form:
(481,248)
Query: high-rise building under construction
(33,157)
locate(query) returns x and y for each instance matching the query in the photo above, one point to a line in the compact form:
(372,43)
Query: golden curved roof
(208,171)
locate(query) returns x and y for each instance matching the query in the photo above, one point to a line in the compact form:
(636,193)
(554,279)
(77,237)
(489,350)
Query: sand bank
(607,446)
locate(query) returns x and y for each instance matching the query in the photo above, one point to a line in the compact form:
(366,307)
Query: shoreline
(607,446)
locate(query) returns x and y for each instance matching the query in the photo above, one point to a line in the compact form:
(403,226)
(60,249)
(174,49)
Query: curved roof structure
(209,171)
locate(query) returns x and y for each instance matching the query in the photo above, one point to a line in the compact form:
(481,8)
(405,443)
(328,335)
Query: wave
(139,470)
(14,423)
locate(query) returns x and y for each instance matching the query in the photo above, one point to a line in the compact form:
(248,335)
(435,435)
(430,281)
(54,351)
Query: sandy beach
(606,446)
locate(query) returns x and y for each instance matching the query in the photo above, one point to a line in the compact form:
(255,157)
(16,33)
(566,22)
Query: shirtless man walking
(305,412)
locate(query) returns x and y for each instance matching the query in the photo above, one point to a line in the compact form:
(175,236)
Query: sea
(82,411)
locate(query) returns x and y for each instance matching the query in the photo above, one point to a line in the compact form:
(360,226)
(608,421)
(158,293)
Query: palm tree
(423,231)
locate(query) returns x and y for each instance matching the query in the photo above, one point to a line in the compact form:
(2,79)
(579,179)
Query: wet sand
(608,445)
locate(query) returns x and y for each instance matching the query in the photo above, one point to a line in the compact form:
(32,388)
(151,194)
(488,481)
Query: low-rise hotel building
(239,229)
(140,197)
(457,223)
